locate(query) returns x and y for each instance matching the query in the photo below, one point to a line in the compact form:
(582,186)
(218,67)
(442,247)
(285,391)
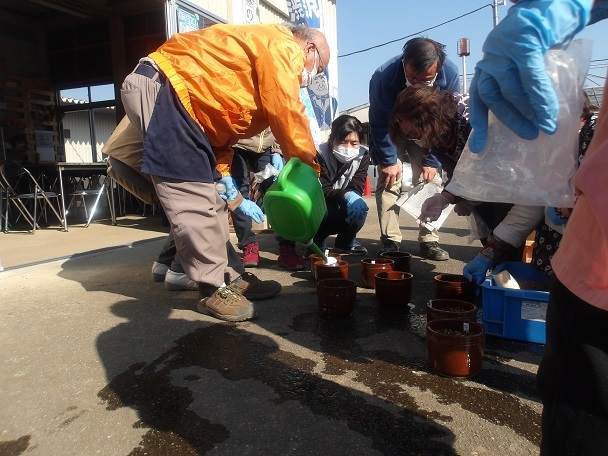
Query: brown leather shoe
(227,304)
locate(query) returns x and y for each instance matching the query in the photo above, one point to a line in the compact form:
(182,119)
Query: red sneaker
(288,258)
(251,255)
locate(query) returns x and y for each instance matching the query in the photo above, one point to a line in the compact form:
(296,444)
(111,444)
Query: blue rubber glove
(554,216)
(252,210)
(276,160)
(510,80)
(476,269)
(355,204)
(231,191)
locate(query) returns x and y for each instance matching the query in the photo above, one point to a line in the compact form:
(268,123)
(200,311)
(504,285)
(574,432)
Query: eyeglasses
(320,68)
(414,80)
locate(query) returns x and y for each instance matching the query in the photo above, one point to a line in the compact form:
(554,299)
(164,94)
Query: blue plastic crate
(515,314)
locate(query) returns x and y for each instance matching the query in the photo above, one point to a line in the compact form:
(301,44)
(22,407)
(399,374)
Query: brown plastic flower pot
(454,286)
(315,257)
(401,259)
(336,297)
(334,271)
(455,347)
(393,288)
(450,309)
(372,266)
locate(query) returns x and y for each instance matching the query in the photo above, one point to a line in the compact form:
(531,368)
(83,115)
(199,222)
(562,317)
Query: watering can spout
(315,248)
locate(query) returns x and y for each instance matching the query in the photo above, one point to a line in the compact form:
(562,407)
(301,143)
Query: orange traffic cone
(367,191)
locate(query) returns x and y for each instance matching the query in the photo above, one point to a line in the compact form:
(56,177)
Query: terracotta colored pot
(454,286)
(401,259)
(336,296)
(455,347)
(314,258)
(450,309)
(334,271)
(372,266)
(393,288)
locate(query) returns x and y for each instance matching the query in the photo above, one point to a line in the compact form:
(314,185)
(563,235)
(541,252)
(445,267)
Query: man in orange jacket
(194,97)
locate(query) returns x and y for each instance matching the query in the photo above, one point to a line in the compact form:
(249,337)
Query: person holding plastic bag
(344,165)
(511,82)
(440,121)
(522,220)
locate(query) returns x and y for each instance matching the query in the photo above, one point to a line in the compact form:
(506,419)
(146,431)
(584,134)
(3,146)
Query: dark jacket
(339,178)
(386,83)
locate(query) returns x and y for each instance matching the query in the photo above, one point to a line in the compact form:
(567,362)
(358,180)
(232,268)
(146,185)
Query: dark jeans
(242,162)
(335,222)
(573,377)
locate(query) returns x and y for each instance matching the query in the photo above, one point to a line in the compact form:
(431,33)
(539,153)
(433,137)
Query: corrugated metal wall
(78,146)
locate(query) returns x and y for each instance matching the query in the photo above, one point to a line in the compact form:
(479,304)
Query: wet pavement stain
(237,356)
(15,447)
(384,371)
(162,407)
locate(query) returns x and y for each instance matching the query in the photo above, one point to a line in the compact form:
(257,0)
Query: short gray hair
(302,31)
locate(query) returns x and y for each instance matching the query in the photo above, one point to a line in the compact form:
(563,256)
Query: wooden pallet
(27,105)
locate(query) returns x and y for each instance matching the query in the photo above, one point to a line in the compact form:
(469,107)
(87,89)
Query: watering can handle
(293,163)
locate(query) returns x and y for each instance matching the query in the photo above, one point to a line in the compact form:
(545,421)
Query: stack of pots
(393,288)
(372,266)
(455,341)
(454,286)
(337,270)
(315,257)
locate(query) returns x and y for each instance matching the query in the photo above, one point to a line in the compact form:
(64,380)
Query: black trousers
(573,377)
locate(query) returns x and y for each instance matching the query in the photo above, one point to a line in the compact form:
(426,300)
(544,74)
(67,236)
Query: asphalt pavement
(98,359)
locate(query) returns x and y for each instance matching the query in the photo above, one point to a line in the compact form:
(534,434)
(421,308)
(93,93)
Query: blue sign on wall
(308,12)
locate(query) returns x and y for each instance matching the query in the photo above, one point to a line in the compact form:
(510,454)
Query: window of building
(88,117)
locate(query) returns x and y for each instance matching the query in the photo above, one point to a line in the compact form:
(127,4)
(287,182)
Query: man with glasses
(191,100)
(423,62)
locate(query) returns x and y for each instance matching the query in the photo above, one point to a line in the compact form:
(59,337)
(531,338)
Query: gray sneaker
(227,304)
(159,271)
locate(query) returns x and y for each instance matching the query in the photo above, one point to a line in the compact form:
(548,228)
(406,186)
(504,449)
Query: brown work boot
(225,303)
(289,258)
(253,288)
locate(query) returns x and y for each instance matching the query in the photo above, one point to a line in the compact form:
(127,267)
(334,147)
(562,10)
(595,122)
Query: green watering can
(295,205)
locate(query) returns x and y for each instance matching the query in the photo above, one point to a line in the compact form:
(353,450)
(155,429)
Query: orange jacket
(236,80)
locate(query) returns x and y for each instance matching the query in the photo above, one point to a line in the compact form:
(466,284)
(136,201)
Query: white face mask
(345,154)
(308,76)
(426,83)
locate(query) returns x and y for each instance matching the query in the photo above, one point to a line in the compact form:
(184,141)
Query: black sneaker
(432,251)
(255,289)
(355,249)
(388,246)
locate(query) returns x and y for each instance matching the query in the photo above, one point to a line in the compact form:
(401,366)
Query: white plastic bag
(268,171)
(539,172)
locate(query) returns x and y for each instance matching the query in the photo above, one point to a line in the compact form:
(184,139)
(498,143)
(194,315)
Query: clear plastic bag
(538,172)
(478,229)
(268,171)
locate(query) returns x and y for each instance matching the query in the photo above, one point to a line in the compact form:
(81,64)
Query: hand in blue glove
(231,191)
(355,204)
(276,160)
(510,80)
(476,269)
(252,210)
(554,216)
